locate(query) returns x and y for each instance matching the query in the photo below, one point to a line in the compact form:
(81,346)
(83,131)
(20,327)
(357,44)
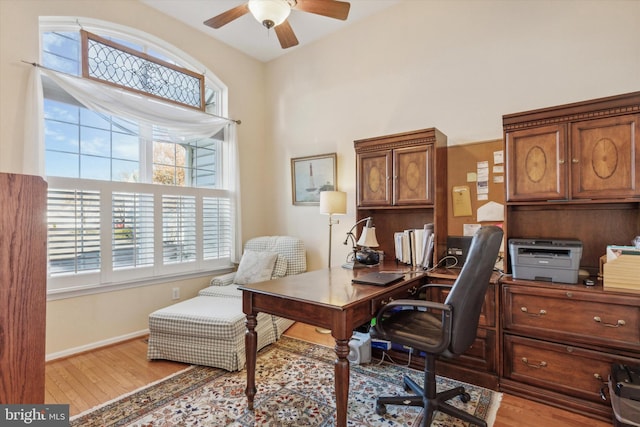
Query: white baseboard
(95,345)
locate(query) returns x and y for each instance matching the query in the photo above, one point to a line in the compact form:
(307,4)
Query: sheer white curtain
(34,150)
(180,123)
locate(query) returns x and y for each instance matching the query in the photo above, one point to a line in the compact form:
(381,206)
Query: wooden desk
(326,299)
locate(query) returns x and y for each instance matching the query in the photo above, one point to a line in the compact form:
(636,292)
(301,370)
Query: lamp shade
(270,13)
(368,237)
(333,202)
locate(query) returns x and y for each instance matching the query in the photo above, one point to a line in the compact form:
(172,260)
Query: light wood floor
(89,379)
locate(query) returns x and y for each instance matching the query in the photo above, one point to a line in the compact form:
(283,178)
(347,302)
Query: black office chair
(448,332)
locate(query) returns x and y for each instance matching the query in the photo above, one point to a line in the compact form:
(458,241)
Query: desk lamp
(365,256)
(333,203)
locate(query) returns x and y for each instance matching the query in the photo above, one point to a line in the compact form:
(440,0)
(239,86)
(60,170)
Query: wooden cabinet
(399,177)
(559,342)
(604,158)
(572,173)
(535,165)
(23,288)
(586,150)
(401,183)
(374,171)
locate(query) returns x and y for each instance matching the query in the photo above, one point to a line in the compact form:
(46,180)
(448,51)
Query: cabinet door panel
(482,353)
(604,160)
(411,175)
(374,175)
(536,164)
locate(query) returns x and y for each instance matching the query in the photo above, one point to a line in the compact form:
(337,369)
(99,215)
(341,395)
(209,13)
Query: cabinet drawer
(408,291)
(482,353)
(565,369)
(488,313)
(608,320)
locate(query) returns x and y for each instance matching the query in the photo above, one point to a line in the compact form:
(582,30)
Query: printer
(549,260)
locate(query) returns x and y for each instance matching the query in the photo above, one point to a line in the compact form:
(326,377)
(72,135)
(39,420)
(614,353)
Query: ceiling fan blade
(228,16)
(330,8)
(285,35)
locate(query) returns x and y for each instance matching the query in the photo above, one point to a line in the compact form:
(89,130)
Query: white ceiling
(249,36)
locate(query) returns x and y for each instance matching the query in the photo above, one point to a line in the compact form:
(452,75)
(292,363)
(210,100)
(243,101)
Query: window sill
(78,291)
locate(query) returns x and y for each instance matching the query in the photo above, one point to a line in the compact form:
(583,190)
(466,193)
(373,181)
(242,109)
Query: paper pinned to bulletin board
(467,164)
(461,199)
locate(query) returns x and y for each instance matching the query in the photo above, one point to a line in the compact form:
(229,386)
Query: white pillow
(255,267)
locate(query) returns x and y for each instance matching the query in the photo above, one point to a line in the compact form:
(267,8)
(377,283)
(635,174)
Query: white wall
(454,65)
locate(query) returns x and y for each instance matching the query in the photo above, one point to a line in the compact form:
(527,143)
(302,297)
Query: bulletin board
(462,165)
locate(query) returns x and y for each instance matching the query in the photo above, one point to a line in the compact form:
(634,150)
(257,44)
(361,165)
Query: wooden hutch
(401,182)
(571,173)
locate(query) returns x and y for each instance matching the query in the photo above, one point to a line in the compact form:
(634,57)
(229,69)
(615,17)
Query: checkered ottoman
(205,331)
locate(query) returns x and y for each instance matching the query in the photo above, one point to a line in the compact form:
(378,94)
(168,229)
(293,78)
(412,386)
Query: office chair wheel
(381,409)
(465,397)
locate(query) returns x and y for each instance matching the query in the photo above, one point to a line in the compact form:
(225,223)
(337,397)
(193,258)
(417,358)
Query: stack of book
(415,246)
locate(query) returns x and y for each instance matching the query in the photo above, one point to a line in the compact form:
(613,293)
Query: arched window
(131,199)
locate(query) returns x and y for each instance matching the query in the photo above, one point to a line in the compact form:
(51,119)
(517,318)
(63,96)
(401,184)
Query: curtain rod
(35,64)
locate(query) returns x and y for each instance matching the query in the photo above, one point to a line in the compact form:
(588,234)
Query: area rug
(295,382)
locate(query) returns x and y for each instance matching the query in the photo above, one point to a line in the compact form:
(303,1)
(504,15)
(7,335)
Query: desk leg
(342,381)
(250,343)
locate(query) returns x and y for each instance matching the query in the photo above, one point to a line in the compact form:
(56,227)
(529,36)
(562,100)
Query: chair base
(430,401)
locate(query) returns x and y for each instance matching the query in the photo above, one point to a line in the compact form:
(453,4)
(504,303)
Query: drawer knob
(526,310)
(542,363)
(412,290)
(609,325)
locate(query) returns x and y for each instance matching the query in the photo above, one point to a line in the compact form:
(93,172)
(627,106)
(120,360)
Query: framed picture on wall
(312,174)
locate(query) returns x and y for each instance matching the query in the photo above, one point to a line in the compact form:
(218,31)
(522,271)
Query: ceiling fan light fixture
(270,13)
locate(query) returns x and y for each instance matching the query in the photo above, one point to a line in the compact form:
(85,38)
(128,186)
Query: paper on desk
(491,211)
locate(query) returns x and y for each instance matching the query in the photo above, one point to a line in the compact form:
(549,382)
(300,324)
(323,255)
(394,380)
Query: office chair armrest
(414,304)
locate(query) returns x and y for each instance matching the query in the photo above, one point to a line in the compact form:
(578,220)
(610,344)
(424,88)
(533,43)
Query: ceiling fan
(274,14)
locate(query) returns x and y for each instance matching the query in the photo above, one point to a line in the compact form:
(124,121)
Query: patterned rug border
(134,405)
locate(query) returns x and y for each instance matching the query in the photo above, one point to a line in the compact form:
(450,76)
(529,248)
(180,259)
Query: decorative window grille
(116,64)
